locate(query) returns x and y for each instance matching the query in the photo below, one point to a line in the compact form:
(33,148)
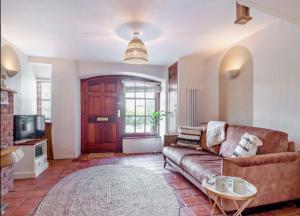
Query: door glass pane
(130,107)
(150,106)
(140,107)
(129,124)
(150,95)
(140,124)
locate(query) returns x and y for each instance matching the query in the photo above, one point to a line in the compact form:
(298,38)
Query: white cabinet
(31,165)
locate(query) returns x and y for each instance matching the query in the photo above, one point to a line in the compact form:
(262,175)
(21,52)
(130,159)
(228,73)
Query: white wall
(65,106)
(236,95)
(190,75)
(89,69)
(276,54)
(66,76)
(24,83)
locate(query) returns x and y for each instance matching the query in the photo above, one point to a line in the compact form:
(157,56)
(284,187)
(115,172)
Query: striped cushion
(189,137)
(247,146)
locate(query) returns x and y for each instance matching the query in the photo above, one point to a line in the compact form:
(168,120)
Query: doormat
(100,155)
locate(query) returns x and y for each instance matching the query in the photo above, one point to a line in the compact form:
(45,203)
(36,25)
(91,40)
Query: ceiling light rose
(136,52)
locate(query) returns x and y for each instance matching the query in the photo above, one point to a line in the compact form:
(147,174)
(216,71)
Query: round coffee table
(216,196)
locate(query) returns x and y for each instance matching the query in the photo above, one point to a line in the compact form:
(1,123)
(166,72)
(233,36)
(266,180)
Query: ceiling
(285,9)
(99,30)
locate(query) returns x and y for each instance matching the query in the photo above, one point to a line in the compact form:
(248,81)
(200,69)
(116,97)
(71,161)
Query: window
(44,99)
(141,99)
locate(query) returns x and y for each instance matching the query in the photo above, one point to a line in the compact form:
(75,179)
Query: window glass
(150,107)
(46,109)
(130,107)
(150,95)
(148,125)
(44,99)
(140,94)
(129,94)
(46,90)
(140,99)
(140,107)
(140,124)
(129,124)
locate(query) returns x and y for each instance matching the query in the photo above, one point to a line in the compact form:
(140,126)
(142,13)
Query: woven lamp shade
(136,52)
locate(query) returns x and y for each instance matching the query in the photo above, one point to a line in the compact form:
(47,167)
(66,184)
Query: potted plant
(155,119)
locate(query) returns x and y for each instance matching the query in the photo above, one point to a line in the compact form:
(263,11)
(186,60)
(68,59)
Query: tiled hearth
(27,194)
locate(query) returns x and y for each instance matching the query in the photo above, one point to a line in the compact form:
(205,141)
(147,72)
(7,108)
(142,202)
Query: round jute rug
(110,190)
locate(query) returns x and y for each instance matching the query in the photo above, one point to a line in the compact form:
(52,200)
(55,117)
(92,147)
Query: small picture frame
(4,98)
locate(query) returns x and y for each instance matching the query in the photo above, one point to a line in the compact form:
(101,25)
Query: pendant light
(136,52)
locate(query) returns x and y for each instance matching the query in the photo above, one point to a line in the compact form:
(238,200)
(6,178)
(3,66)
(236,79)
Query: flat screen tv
(29,127)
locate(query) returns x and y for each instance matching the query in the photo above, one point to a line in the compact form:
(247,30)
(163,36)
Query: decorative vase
(221,184)
(154,130)
(239,186)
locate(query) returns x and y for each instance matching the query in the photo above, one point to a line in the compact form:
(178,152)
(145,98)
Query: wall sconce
(10,64)
(232,74)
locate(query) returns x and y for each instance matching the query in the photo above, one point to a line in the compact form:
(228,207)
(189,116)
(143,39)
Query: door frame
(121,107)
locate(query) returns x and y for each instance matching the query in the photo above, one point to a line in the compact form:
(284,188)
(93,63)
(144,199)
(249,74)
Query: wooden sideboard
(48,136)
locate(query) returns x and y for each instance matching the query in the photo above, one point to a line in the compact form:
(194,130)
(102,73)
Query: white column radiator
(192,106)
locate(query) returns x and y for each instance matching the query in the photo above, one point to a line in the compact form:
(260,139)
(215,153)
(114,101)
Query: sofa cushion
(176,154)
(202,166)
(273,141)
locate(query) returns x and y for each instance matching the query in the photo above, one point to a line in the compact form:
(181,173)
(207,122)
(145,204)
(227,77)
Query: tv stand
(31,165)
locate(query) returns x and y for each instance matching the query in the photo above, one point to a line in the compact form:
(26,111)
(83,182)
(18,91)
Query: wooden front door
(100,114)
(173,92)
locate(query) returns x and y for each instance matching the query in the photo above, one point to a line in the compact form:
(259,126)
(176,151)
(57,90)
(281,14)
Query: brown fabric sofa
(275,170)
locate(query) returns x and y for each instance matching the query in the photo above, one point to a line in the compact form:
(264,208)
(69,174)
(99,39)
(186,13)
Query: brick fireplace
(7,111)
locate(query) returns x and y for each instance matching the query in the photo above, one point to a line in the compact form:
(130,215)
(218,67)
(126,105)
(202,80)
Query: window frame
(156,108)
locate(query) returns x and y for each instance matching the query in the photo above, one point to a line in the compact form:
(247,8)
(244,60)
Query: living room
(147,107)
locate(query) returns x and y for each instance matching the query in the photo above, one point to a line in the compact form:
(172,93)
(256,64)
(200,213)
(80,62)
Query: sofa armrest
(169,139)
(275,175)
(291,147)
(282,157)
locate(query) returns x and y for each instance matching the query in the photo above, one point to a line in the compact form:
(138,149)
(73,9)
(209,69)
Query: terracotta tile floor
(27,194)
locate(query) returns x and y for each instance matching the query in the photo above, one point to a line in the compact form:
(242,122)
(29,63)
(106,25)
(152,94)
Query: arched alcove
(236,87)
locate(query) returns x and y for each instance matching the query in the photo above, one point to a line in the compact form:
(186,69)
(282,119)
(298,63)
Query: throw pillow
(189,137)
(215,133)
(247,146)
(215,149)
